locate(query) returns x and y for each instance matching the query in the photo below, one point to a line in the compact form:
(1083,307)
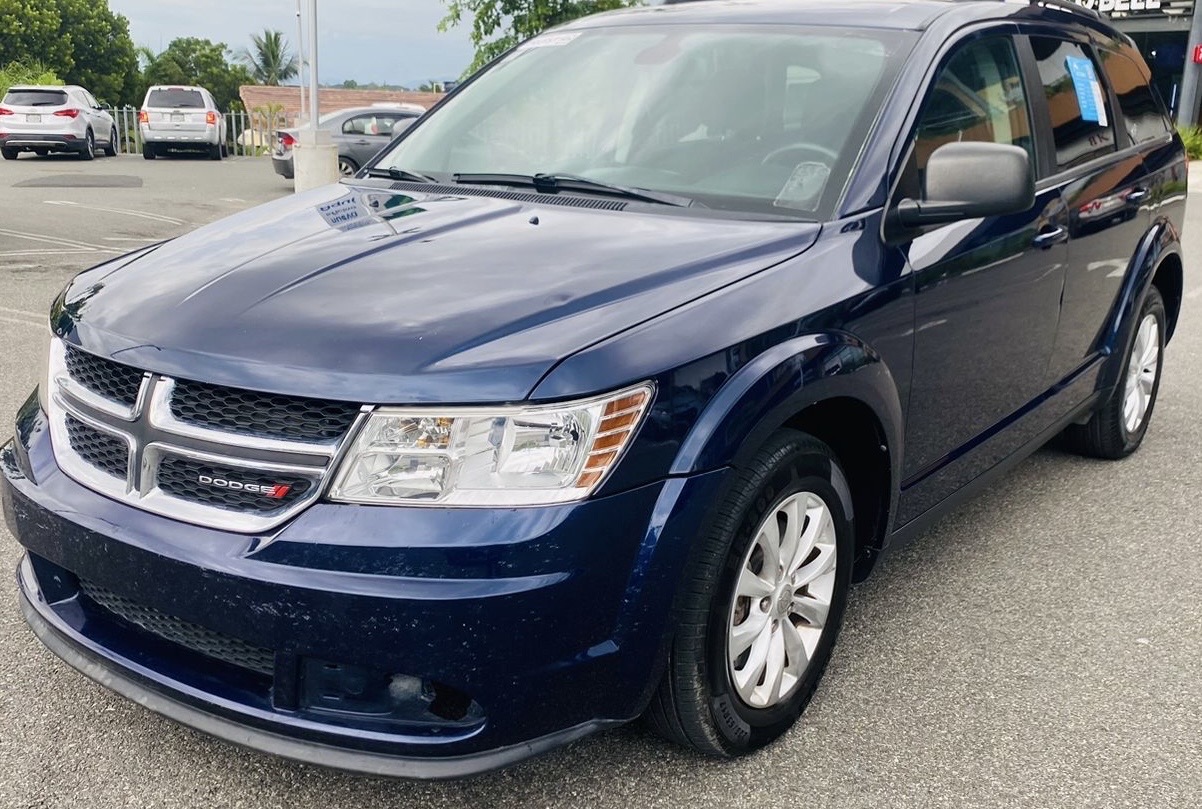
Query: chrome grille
(105,451)
(192,636)
(168,448)
(104,377)
(264,414)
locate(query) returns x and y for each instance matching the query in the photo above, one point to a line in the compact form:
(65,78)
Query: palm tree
(270,62)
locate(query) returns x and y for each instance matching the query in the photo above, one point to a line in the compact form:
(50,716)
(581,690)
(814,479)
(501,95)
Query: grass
(1192,137)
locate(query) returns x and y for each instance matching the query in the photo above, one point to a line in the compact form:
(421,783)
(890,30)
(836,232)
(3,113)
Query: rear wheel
(1119,425)
(8,154)
(89,147)
(215,152)
(149,152)
(110,149)
(346,166)
(762,603)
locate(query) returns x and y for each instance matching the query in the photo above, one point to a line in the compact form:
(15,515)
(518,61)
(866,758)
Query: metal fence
(246,133)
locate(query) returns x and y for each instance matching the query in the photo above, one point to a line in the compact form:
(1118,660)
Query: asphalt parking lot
(1041,647)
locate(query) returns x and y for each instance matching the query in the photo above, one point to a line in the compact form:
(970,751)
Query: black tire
(697,704)
(110,149)
(225,149)
(1106,435)
(149,152)
(9,154)
(89,147)
(215,152)
(346,166)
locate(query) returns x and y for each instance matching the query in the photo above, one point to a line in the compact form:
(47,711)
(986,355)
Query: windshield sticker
(1089,89)
(549,41)
(804,187)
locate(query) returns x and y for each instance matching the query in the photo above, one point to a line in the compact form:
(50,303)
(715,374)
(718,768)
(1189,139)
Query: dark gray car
(359,133)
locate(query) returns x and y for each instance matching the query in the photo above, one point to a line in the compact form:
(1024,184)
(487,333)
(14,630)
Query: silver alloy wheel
(345,168)
(1142,368)
(786,583)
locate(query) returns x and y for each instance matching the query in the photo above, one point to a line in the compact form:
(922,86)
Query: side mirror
(969,180)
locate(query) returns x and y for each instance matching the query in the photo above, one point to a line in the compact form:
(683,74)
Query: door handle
(1049,238)
(1138,195)
(363,143)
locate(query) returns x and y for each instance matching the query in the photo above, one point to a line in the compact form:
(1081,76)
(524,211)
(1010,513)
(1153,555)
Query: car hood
(366,294)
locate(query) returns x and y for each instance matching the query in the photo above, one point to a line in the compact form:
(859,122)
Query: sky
(386,41)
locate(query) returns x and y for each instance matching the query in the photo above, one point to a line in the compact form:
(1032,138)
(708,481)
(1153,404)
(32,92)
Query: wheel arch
(1157,261)
(830,385)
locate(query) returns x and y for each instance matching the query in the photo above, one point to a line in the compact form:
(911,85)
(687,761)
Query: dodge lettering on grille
(274,490)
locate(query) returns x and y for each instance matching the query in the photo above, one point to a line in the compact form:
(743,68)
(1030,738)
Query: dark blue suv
(591,396)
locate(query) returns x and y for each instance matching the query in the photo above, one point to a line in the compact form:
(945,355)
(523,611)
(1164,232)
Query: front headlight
(489,457)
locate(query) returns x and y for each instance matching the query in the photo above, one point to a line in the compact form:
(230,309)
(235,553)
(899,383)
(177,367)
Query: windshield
(750,119)
(176,98)
(35,98)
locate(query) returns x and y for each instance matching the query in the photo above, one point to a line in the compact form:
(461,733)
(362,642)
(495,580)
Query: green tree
(268,58)
(101,50)
(25,73)
(498,25)
(29,32)
(198,61)
(80,40)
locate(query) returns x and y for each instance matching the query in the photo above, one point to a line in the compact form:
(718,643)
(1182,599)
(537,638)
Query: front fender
(777,385)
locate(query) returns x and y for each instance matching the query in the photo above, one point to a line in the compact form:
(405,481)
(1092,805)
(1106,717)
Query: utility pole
(314,158)
(1187,107)
(300,56)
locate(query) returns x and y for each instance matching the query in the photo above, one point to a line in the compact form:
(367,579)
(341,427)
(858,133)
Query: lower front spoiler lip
(62,641)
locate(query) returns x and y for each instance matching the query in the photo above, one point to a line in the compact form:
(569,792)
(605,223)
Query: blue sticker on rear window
(1089,89)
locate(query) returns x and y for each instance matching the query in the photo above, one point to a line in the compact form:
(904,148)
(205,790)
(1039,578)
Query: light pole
(300,56)
(314,158)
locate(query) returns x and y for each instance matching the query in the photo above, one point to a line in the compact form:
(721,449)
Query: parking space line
(36,237)
(20,322)
(8,311)
(154,217)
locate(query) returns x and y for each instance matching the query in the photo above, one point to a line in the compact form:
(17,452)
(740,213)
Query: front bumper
(552,620)
(28,141)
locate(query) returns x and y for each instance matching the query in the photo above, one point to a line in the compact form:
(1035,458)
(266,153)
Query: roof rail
(1068,5)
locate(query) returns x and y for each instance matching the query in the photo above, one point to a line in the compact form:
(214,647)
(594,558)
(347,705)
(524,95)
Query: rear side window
(1082,123)
(1143,116)
(176,98)
(36,98)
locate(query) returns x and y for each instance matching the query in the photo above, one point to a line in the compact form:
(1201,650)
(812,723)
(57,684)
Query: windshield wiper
(552,183)
(393,173)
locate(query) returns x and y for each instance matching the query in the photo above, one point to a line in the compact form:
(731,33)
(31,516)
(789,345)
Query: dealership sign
(1134,8)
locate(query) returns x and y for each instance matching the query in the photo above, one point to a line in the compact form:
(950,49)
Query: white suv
(43,119)
(181,118)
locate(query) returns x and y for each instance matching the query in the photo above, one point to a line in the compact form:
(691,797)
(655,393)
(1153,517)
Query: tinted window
(370,125)
(740,118)
(176,98)
(977,96)
(1143,117)
(1070,80)
(36,98)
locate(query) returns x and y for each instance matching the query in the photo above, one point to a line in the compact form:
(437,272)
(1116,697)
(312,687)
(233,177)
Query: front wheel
(762,602)
(1119,425)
